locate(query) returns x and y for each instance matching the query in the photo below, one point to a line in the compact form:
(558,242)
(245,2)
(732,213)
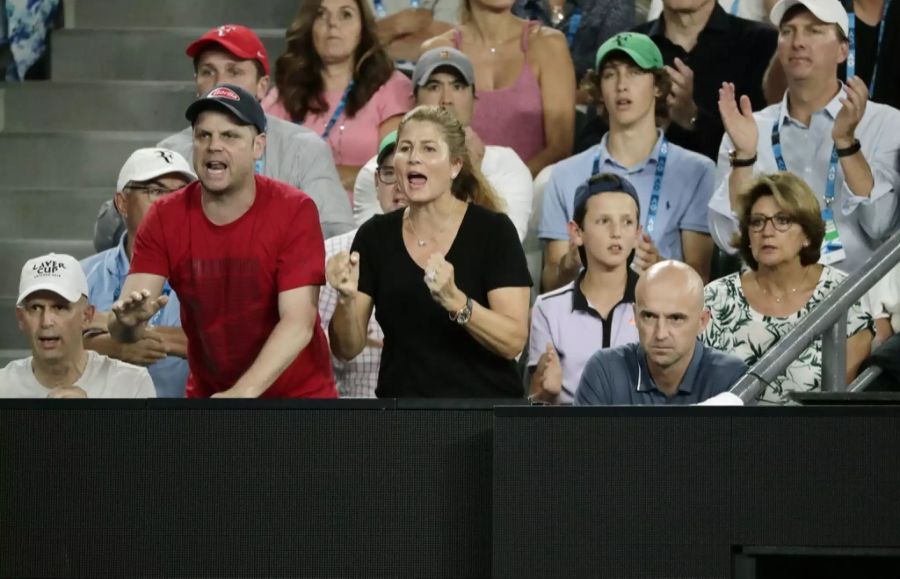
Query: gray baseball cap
(442,56)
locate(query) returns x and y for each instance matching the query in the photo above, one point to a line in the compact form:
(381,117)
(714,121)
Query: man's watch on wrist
(463,316)
(736,162)
(851,150)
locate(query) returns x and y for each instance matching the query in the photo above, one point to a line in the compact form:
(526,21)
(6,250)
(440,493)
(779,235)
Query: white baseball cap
(828,11)
(150,163)
(59,273)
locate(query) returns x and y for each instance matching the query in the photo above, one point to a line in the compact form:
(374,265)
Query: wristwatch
(735,162)
(851,150)
(463,316)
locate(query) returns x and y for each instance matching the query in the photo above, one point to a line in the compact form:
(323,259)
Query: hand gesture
(67,392)
(571,260)
(550,371)
(149,349)
(645,254)
(851,113)
(739,122)
(342,273)
(475,146)
(440,281)
(137,308)
(682,108)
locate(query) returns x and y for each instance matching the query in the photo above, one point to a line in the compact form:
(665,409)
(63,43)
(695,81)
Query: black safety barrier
(388,488)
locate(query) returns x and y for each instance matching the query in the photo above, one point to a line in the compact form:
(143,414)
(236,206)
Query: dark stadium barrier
(688,492)
(245,488)
(389,488)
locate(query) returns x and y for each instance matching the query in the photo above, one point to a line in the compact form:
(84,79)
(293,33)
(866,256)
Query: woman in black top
(446,276)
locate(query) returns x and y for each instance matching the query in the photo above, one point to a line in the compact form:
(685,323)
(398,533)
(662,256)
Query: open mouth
(623,102)
(415,179)
(215,168)
(49,341)
(615,248)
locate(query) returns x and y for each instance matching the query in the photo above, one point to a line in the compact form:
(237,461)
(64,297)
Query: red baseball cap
(236,39)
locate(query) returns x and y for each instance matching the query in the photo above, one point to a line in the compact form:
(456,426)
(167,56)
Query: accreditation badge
(832,247)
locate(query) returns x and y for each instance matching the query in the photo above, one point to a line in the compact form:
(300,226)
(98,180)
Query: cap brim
(206,104)
(150,175)
(780,8)
(430,70)
(817,10)
(49,287)
(634,55)
(197,46)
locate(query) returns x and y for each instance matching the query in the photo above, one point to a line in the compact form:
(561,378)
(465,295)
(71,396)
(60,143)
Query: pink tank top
(511,117)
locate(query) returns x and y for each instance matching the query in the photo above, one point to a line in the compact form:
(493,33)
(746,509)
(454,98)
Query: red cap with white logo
(236,39)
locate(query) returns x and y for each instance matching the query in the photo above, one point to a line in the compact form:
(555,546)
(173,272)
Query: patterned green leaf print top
(738,329)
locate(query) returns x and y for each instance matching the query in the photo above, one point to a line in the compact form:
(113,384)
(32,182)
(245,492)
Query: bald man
(668,365)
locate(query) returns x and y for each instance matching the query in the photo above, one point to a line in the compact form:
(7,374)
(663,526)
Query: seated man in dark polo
(669,365)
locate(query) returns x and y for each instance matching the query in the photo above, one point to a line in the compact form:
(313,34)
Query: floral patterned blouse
(737,328)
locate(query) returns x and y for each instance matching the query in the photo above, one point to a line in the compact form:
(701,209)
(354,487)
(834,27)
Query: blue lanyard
(574,23)
(779,160)
(735,6)
(851,57)
(338,111)
(380,11)
(657,182)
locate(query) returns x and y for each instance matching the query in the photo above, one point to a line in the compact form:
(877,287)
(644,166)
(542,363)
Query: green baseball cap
(387,146)
(639,47)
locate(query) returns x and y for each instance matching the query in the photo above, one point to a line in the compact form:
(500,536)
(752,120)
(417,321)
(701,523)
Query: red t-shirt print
(228,279)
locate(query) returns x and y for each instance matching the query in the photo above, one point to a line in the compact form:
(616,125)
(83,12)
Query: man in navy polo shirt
(669,365)
(597,309)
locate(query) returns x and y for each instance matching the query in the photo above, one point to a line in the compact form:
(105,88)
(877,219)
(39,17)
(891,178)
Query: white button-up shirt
(863,223)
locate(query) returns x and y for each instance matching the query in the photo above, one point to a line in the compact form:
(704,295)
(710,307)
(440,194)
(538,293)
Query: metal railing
(828,319)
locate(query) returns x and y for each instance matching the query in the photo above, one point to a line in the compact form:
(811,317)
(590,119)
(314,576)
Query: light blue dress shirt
(687,185)
(862,223)
(106,273)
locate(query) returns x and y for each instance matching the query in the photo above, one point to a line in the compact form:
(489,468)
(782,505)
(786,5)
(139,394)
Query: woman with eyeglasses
(780,239)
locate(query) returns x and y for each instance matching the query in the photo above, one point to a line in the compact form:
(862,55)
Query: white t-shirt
(884,298)
(501,166)
(103,377)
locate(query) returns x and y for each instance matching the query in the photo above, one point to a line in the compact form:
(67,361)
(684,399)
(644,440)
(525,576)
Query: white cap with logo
(150,163)
(58,273)
(828,11)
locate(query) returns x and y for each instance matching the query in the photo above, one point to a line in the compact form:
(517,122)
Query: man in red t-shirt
(246,256)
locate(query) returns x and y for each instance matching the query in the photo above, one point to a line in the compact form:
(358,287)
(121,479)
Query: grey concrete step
(15,252)
(68,159)
(139,53)
(52,213)
(178,13)
(10,336)
(95,106)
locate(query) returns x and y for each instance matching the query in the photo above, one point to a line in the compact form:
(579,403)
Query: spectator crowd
(358,218)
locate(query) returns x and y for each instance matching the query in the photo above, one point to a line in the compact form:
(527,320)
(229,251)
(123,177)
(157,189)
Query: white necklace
(419,241)
(790,292)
